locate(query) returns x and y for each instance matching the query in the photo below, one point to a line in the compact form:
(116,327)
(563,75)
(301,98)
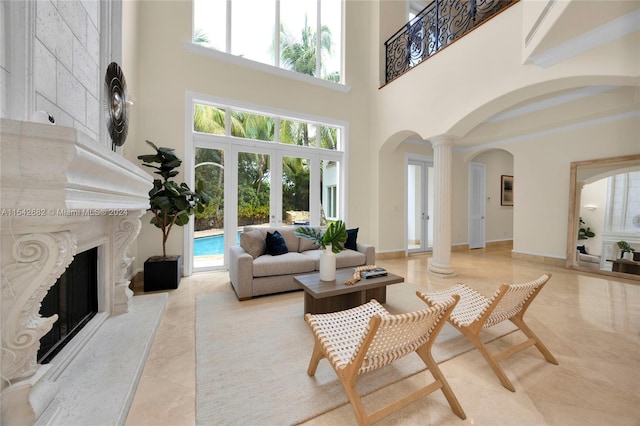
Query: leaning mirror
(604,209)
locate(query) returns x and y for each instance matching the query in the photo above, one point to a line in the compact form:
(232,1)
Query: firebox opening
(74,298)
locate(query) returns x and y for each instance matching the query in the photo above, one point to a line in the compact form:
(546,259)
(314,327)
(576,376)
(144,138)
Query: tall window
(259,168)
(249,125)
(304,36)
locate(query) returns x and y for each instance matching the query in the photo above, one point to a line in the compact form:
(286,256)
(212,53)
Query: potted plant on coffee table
(625,247)
(332,240)
(171,204)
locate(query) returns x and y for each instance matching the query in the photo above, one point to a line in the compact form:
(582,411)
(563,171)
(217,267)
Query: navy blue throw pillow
(582,249)
(275,244)
(352,236)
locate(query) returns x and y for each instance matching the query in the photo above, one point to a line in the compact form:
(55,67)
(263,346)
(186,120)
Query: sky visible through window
(253,26)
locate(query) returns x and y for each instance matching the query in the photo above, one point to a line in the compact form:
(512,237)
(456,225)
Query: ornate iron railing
(434,28)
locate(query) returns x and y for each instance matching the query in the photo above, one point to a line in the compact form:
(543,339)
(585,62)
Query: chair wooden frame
(475,312)
(368,337)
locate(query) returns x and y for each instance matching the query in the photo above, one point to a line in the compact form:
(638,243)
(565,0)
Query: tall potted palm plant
(171,204)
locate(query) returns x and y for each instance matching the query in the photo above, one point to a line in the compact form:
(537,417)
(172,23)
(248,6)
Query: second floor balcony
(438,25)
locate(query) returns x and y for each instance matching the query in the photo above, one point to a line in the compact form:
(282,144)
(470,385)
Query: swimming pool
(211,245)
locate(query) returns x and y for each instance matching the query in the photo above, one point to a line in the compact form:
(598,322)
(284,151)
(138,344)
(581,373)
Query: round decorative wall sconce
(116,104)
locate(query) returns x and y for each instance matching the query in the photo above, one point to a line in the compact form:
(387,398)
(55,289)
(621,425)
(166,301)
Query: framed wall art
(506,190)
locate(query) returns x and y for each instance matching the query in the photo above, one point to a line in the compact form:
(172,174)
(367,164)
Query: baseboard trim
(538,258)
(391,255)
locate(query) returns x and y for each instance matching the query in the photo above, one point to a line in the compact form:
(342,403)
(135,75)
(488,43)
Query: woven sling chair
(475,312)
(368,337)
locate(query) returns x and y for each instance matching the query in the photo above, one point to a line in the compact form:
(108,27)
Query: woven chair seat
(473,305)
(368,337)
(475,312)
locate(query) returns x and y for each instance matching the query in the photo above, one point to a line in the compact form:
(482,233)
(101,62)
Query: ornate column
(440,262)
(38,261)
(125,231)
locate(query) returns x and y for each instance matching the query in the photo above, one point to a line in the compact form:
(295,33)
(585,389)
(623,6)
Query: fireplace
(64,196)
(74,299)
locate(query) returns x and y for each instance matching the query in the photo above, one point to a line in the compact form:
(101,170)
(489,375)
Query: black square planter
(162,273)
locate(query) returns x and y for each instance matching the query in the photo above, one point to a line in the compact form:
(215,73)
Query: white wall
(499,218)
(167,71)
(542,167)
(485,74)
(381,119)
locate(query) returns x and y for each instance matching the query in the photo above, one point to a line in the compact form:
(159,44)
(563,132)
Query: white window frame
(232,145)
(265,67)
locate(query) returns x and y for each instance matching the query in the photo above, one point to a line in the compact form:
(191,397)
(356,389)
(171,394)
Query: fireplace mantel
(51,173)
(62,193)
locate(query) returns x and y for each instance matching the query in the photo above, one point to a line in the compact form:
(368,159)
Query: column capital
(442,140)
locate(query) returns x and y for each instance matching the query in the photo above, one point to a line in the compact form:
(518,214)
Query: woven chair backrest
(513,301)
(399,335)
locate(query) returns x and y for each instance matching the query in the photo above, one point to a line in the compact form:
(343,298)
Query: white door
(477,183)
(419,206)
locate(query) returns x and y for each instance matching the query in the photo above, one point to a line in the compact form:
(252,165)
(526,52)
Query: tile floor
(589,322)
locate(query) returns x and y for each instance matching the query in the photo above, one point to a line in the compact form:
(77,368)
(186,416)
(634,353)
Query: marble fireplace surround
(62,193)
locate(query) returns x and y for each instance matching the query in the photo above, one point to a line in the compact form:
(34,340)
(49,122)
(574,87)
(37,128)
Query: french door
(249,186)
(260,167)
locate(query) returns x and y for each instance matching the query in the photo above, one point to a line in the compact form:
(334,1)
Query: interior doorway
(419,204)
(477,207)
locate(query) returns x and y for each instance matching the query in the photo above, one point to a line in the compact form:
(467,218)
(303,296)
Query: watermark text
(62,212)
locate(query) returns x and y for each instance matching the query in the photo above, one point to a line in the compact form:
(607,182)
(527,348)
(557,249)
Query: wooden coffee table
(321,297)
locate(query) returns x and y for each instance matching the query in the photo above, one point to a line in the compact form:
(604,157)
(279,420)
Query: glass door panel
(330,191)
(415,208)
(419,206)
(254,189)
(295,191)
(209,238)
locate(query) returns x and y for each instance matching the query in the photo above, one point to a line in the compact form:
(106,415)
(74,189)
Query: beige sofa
(253,272)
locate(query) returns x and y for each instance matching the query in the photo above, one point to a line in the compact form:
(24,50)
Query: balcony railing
(434,28)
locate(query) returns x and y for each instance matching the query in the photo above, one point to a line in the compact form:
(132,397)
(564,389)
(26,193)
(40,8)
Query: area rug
(252,357)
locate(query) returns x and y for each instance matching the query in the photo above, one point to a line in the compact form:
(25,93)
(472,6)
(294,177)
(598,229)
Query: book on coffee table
(374,273)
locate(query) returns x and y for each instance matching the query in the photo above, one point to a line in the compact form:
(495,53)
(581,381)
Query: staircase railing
(434,28)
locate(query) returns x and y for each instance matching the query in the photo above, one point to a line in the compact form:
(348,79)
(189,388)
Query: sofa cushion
(253,242)
(306,244)
(288,263)
(350,258)
(344,259)
(352,236)
(287,233)
(275,244)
